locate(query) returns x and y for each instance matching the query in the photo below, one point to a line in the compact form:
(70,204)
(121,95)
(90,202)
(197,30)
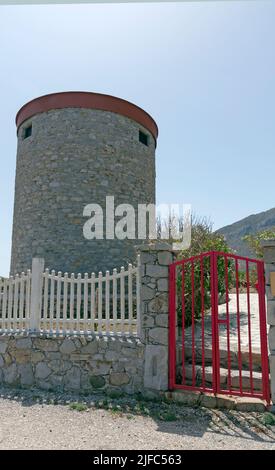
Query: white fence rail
(54,303)
(15,302)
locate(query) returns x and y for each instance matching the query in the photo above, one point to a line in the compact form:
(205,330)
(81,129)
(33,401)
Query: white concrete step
(224,380)
(256,357)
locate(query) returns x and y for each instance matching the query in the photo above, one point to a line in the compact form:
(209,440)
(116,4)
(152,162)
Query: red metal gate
(217,325)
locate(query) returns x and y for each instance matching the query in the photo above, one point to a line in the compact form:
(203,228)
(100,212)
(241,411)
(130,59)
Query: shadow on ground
(170,417)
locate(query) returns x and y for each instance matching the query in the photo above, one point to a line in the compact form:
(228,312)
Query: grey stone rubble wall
(76,157)
(269,259)
(101,362)
(72,364)
(155,261)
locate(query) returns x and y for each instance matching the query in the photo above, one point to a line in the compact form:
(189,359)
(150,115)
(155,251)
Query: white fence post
(36,293)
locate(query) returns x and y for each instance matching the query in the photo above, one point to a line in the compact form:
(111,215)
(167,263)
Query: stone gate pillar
(269,259)
(155,259)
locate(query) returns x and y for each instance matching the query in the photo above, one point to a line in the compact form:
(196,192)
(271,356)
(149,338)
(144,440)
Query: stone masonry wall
(82,363)
(269,259)
(155,261)
(76,157)
(72,364)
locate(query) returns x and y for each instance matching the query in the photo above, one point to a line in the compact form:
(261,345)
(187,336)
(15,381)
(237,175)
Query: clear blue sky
(205,71)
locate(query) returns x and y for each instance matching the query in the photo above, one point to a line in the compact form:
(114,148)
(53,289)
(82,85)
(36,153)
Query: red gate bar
(183,326)
(249,327)
(228,323)
(193,325)
(213,322)
(188,269)
(239,326)
(202,324)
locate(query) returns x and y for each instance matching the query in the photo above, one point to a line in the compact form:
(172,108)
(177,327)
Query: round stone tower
(74,149)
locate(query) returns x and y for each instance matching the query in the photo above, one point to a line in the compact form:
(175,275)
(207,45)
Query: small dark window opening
(27,132)
(143,138)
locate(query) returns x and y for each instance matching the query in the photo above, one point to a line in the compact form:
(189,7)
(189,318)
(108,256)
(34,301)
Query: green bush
(254,241)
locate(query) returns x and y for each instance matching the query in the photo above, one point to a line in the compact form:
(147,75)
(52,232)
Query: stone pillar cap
(156,246)
(267,243)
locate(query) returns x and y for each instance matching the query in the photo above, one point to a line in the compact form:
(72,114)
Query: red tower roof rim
(88,100)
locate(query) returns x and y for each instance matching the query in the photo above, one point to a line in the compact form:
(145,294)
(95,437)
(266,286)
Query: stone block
(23,343)
(72,379)
(148,321)
(162,285)
(153,246)
(269,294)
(98,357)
(269,268)
(11,374)
(184,397)
(36,356)
(272,375)
(162,320)
(156,271)
(146,257)
(42,371)
(159,335)
(100,367)
(147,293)
(90,348)
(59,366)
(250,404)
(156,367)
(56,382)
(271,312)
(52,356)
(165,258)
(45,344)
(111,355)
(68,346)
(119,378)
(114,345)
(146,280)
(160,246)
(21,356)
(3,346)
(75,357)
(269,254)
(43,384)
(130,352)
(26,374)
(8,359)
(97,381)
(226,401)
(159,304)
(257,380)
(271,338)
(208,400)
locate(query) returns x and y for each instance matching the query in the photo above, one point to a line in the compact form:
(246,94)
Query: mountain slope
(249,225)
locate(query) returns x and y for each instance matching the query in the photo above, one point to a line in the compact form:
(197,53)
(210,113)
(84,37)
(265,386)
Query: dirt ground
(36,420)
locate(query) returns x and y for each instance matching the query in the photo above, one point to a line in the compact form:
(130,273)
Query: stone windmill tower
(76,148)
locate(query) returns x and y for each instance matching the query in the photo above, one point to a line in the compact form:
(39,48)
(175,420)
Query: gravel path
(30,422)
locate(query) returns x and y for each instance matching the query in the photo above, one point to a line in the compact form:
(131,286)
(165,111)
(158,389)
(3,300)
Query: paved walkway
(233,320)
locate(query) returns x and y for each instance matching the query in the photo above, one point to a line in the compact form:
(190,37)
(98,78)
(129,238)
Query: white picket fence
(53,303)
